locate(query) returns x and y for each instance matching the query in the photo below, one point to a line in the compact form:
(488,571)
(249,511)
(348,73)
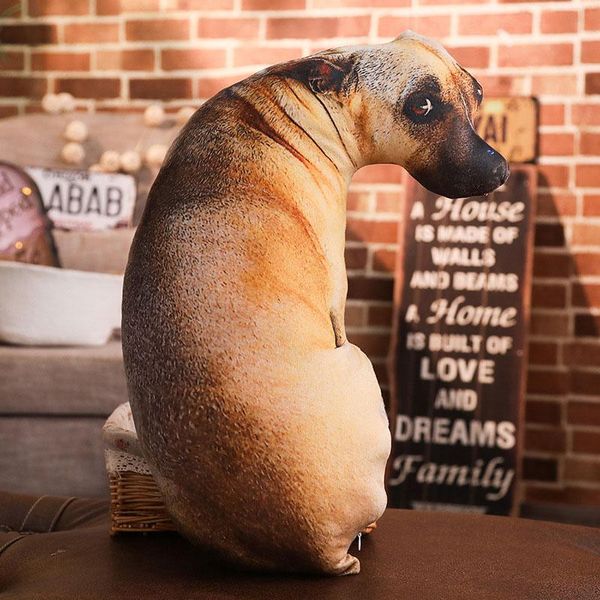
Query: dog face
(409,103)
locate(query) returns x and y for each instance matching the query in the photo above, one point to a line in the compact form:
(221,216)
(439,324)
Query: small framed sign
(86,200)
(458,356)
(509,125)
(24,227)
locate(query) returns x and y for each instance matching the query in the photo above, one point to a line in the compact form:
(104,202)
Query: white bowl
(47,306)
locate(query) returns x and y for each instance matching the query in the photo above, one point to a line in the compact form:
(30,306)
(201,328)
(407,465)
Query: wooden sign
(86,200)
(457,363)
(510,126)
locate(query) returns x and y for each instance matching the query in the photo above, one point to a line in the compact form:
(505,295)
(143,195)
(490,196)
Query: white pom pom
(110,161)
(131,161)
(155,155)
(76,131)
(67,102)
(154,115)
(51,104)
(184,114)
(73,153)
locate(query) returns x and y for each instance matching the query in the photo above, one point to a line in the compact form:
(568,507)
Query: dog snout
(501,171)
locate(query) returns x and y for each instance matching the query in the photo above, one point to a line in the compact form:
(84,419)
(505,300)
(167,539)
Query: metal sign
(510,126)
(457,364)
(86,200)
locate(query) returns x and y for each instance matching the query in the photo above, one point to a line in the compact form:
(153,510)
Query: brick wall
(121,54)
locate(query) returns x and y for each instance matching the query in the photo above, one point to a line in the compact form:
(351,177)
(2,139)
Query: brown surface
(411,555)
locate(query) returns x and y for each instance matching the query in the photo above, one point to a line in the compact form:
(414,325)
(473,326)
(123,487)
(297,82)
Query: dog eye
(419,108)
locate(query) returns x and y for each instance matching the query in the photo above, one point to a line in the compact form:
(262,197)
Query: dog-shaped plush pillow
(264,426)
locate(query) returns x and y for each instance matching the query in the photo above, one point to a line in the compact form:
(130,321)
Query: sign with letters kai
(458,359)
(510,126)
(86,200)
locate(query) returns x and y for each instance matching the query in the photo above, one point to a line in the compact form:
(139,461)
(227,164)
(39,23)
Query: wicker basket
(136,503)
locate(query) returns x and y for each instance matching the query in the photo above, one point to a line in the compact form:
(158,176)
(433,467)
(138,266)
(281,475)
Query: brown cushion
(411,555)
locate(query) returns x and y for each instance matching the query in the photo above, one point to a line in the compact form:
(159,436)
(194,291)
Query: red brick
(359,3)
(160,89)
(182,59)
(590,143)
(591,205)
(556,144)
(260,55)
(355,315)
(209,86)
(549,324)
(316,28)
(540,469)
(547,382)
(12,61)
(501,85)
(91,33)
(370,288)
(557,85)
(583,413)
(585,114)
(10,8)
(563,21)
(545,440)
(382,173)
(533,55)
(159,29)
(199,4)
(41,8)
(551,265)
(380,315)
(587,326)
(543,353)
(357,201)
(587,175)
(30,35)
(586,263)
(586,234)
(491,24)
(590,51)
(373,344)
(556,205)
(60,61)
(582,354)
(471,57)
(552,114)
(356,258)
(228,28)
(549,235)
(436,2)
(8,111)
(586,295)
(388,202)
(90,87)
(125,60)
(29,87)
(582,470)
(585,383)
(117,7)
(586,442)
(552,176)
(592,83)
(437,26)
(567,495)
(371,231)
(592,19)
(270,5)
(384,260)
(543,412)
(549,295)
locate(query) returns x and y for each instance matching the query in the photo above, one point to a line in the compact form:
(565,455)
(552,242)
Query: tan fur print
(264,426)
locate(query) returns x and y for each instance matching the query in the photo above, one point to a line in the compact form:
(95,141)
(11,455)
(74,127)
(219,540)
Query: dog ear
(322,74)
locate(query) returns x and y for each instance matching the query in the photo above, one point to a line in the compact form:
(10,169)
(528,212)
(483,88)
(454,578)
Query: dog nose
(501,171)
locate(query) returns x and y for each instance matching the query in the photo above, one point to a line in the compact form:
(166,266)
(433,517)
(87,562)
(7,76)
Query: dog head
(408,102)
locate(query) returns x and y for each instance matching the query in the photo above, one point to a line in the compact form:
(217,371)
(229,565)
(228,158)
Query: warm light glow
(26,191)
(19,245)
